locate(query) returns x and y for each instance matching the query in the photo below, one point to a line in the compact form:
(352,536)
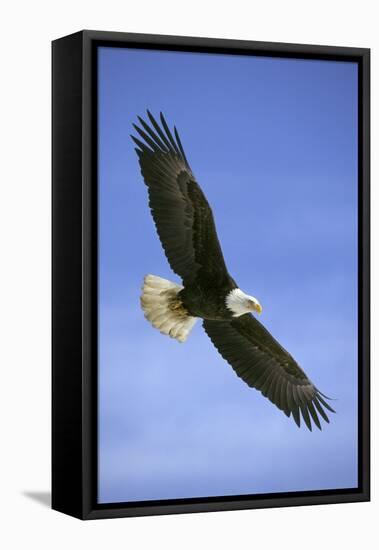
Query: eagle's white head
(240,303)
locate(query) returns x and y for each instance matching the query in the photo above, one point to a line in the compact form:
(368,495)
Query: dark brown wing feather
(182,215)
(265,365)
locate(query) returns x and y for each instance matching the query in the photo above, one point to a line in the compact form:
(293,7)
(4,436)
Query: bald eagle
(187,231)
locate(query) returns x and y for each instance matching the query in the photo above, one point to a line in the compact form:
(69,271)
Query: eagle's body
(186,228)
(208,301)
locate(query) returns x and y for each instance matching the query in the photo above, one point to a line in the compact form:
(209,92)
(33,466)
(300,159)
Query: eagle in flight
(187,231)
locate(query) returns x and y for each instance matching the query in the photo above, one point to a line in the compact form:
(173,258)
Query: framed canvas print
(210,274)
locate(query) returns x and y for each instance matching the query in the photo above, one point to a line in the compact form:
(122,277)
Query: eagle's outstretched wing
(262,363)
(182,215)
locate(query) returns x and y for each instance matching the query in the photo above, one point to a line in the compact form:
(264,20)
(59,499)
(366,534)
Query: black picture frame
(74,273)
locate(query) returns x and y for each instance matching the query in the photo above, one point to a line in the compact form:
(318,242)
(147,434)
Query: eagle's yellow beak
(258,308)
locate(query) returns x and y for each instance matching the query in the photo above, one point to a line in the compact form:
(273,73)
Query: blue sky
(273,143)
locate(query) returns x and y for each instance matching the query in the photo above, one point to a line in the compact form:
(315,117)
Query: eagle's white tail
(163,308)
